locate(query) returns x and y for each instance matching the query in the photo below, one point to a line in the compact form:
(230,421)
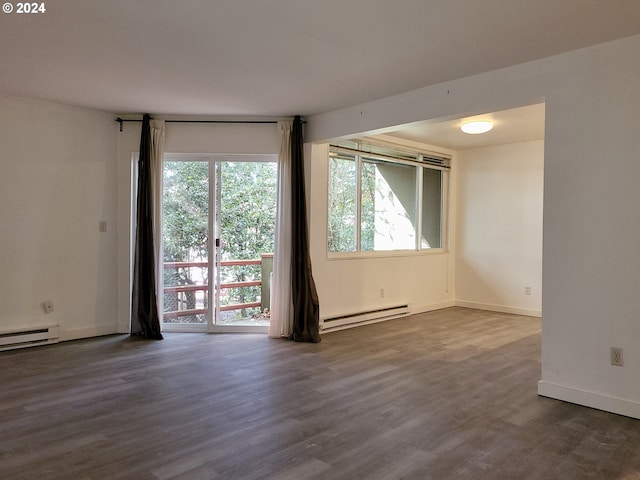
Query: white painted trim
(499,308)
(184,327)
(363,255)
(586,398)
(10,330)
(77,333)
(204,328)
(357,319)
(28,337)
(414,309)
(324,331)
(264,329)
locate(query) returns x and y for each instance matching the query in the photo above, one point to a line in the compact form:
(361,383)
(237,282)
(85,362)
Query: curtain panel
(281,324)
(145,321)
(157,165)
(306,310)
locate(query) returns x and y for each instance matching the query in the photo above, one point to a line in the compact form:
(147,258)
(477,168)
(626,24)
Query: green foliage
(368,207)
(246,216)
(342,205)
(247,222)
(185,211)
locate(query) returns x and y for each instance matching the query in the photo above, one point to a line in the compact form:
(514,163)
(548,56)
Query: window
(383,198)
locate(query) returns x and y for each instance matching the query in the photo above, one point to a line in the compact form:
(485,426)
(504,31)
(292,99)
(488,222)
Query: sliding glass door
(218,238)
(186,244)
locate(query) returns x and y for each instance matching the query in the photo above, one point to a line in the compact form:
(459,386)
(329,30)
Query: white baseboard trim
(589,399)
(499,308)
(77,333)
(123,328)
(413,309)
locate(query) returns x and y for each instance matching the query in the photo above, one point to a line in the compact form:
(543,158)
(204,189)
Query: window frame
(365,150)
(212,159)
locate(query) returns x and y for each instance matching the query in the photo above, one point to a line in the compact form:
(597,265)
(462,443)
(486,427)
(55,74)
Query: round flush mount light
(477,126)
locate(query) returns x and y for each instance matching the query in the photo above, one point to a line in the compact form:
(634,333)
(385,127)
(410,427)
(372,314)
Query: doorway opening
(218,231)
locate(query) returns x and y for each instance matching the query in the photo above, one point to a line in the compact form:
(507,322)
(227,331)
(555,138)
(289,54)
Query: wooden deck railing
(205,287)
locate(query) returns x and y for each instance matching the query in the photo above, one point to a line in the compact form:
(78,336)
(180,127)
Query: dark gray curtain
(306,311)
(144,306)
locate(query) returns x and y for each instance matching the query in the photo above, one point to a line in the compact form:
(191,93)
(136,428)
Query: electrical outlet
(48,306)
(617,357)
(527,290)
(102,226)
(382,293)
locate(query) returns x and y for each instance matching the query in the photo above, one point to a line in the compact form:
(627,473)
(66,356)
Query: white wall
(345,286)
(591,237)
(179,138)
(499,226)
(58,181)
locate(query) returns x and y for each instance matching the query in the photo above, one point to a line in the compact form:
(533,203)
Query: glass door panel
(246,232)
(185,234)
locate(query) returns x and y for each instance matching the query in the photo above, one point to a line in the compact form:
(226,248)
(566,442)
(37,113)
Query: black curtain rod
(122,120)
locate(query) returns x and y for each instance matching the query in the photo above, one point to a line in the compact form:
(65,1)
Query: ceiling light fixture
(477,126)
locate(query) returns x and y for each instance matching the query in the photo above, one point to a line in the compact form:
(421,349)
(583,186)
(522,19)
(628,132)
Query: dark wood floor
(442,395)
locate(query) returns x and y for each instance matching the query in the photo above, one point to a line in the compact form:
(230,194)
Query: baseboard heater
(363,318)
(22,338)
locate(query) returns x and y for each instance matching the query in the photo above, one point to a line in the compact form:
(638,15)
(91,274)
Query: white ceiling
(509,126)
(281,57)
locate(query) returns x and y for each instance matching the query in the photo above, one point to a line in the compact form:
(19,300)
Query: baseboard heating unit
(332,324)
(22,338)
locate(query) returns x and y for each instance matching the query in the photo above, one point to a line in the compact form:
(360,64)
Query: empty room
(255,240)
